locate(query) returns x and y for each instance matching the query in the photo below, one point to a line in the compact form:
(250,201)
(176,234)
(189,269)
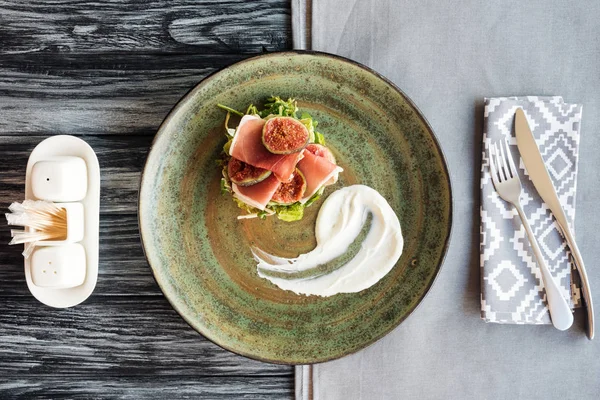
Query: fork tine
(503,167)
(511,162)
(498,163)
(491,156)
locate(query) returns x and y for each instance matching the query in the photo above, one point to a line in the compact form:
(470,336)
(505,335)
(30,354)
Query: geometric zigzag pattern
(512,290)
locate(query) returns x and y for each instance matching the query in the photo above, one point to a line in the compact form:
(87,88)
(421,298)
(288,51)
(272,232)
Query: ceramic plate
(200,252)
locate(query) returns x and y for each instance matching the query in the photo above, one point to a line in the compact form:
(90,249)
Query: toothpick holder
(75,221)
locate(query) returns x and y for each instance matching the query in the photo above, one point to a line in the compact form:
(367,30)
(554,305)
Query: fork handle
(560,311)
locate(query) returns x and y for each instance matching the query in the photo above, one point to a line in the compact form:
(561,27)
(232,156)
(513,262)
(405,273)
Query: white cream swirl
(339,223)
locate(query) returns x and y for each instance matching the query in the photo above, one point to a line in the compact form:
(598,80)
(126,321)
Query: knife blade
(536,168)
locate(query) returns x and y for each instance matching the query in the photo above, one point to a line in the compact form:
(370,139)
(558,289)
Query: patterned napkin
(511,283)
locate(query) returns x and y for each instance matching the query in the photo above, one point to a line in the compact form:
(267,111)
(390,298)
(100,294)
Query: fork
(508,185)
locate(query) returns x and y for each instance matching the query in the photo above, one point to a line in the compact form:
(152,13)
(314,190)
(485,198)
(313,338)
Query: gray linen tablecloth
(447,56)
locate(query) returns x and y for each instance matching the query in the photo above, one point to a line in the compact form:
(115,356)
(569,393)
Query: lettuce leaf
(308,123)
(227,146)
(293,212)
(306,115)
(319,138)
(248,208)
(311,124)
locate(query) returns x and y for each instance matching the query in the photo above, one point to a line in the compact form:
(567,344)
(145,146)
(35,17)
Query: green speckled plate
(200,253)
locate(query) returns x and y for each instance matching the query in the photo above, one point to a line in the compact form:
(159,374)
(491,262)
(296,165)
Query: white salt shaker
(59,178)
(58,267)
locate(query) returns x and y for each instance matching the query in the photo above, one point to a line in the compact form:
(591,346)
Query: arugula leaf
(229,109)
(315,197)
(277,106)
(229,131)
(252,110)
(225,188)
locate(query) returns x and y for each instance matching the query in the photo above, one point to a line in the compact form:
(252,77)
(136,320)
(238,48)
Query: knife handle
(585,285)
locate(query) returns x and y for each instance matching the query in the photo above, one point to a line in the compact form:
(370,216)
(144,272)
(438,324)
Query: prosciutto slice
(259,194)
(247,146)
(317,171)
(322,151)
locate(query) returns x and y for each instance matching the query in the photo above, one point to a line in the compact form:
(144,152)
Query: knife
(530,153)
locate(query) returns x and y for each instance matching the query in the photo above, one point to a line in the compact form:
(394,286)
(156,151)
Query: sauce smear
(339,223)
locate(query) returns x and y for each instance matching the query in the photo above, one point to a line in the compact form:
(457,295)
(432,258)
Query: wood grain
(113,337)
(121,161)
(191,387)
(123,269)
(232,26)
(119,94)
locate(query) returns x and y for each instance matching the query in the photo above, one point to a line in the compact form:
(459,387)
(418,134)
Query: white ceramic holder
(75,224)
(58,160)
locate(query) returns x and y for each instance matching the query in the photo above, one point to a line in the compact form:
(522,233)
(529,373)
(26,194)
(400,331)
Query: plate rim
(283,53)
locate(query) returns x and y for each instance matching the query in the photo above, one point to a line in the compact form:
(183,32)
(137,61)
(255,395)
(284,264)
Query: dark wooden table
(110,72)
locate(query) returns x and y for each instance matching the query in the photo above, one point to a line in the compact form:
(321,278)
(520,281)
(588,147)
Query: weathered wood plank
(124,94)
(121,161)
(233,26)
(222,387)
(111,336)
(115,69)
(123,269)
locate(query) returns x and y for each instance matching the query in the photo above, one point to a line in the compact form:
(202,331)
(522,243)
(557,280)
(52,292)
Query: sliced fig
(292,191)
(321,151)
(243,174)
(284,135)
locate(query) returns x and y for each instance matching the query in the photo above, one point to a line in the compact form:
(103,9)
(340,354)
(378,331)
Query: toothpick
(42,220)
